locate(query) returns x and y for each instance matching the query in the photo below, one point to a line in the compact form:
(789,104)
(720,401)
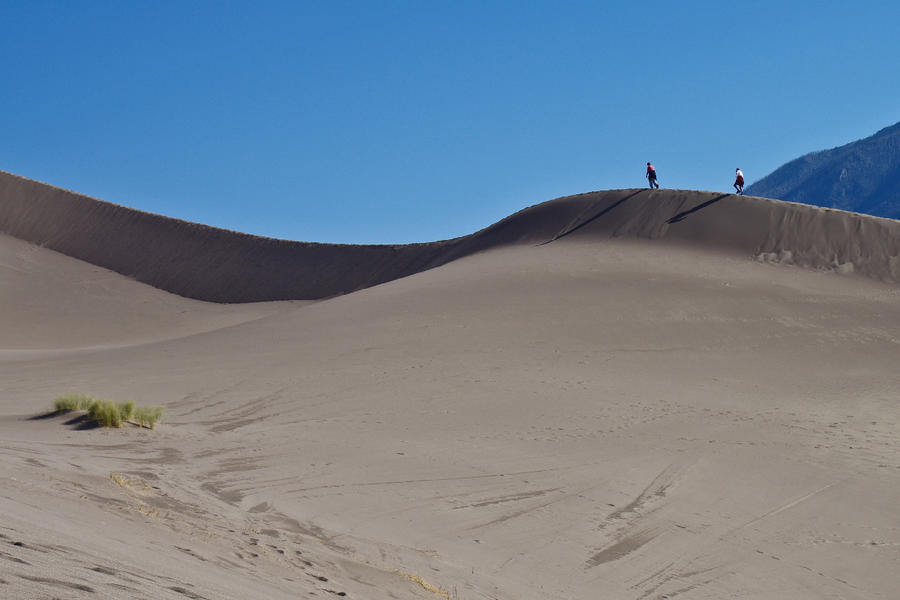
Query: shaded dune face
(206,263)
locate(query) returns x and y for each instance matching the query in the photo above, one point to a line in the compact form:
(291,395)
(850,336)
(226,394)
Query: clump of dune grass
(107,413)
(126,410)
(148,416)
(73,402)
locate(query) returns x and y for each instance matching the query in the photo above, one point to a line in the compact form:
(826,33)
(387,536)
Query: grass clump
(73,402)
(107,413)
(148,416)
(126,410)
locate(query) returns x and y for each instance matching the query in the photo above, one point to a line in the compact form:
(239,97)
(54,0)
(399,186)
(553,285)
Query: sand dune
(55,303)
(216,265)
(623,394)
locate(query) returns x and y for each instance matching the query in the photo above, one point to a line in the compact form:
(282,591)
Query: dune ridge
(207,263)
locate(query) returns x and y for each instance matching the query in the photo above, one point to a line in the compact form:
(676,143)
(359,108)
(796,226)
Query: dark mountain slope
(861,176)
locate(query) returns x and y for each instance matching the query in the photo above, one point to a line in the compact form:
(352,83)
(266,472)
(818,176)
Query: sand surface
(621,395)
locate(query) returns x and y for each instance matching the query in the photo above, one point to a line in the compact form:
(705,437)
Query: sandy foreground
(612,408)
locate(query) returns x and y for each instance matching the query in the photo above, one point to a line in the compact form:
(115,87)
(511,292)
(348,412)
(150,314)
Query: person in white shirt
(739,182)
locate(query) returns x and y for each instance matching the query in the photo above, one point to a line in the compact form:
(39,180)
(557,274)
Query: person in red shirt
(739,182)
(651,176)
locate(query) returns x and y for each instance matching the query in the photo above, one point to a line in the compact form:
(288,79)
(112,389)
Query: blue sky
(391,122)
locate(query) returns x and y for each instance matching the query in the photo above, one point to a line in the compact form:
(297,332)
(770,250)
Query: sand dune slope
(592,417)
(52,304)
(212,264)
(624,394)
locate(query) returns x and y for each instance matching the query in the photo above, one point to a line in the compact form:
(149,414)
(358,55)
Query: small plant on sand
(73,402)
(148,416)
(126,410)
(107,413)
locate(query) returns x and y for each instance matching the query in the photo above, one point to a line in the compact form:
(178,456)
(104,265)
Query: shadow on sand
(683,215)
(45,416)
(78,422)
(82,423)
(594,218)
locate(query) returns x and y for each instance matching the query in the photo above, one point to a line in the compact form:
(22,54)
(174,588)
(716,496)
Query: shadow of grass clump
(81,422)
(106,413)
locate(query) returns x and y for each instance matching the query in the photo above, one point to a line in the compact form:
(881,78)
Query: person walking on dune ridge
(739,181)
(651,176)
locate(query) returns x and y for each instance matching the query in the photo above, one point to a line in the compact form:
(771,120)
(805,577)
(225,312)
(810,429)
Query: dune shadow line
(594,218)
(683,215)
(45,416)
(76,421)
(82,423)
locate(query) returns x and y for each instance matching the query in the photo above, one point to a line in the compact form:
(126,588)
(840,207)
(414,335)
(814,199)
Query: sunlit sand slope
(51,304)
(629,395)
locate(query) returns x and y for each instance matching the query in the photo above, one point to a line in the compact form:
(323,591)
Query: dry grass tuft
(120,479)
(105,413)
(126,410)
(425,585)
(137,485)
(110,414)
(68,402)
(148,416)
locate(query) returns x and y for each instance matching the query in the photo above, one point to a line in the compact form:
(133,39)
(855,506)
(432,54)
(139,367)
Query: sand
(623,394)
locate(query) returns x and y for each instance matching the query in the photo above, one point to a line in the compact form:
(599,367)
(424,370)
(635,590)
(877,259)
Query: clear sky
(393,122)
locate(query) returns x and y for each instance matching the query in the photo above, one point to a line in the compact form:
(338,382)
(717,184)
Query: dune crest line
(218,265)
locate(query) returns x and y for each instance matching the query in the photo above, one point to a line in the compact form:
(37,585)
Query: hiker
(651,176)
(739,182)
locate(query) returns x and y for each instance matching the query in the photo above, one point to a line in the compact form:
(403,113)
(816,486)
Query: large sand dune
(623,394)
(212,264)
